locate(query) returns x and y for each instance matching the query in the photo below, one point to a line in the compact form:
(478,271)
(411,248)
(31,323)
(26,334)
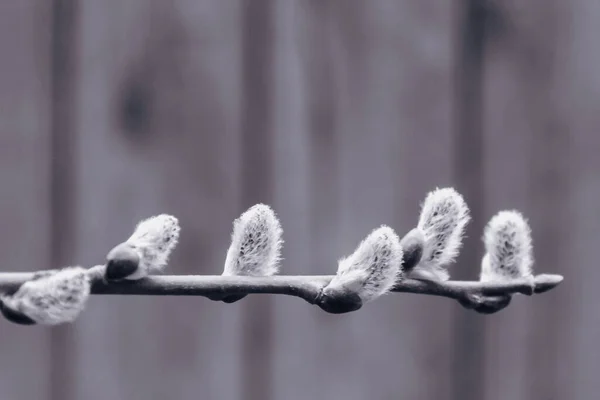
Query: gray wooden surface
(341,114)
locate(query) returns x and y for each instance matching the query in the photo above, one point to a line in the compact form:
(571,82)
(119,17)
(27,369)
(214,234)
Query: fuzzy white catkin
(373,268)
(52,298)
(154,239)
(444,216)
(508,245)
(256,243)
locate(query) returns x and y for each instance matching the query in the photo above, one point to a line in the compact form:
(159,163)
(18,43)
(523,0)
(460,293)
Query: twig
(475,295)
(252,262)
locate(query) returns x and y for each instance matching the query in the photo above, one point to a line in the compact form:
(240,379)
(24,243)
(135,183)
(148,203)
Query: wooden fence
(342,115)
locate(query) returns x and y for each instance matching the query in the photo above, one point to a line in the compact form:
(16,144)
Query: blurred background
(340,114)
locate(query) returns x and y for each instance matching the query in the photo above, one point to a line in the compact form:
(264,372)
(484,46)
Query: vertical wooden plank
(506,164)
(578,93)
(256,170)
(555,204)
(530,167)
(296,372)
(376,87)
(550,159)
(25,154)
(396,74)
(469,350)
(317,53)
(159,132)
(63,165)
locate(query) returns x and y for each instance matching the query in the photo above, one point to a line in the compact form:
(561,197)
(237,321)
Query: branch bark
(482,297)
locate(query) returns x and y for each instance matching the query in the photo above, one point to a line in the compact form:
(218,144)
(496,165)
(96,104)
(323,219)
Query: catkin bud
(508,245)
(444,216)
(146,252)
(256,243)
(370,272)
(50,298)
(255,248)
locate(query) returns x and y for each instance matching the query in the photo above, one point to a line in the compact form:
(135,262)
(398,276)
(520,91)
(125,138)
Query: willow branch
(470,294)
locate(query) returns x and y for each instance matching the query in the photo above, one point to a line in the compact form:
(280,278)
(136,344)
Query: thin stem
(305,287)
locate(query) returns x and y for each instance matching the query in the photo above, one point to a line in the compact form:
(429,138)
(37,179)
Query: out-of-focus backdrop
(340,114)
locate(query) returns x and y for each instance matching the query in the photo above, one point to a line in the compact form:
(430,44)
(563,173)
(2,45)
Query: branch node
(336,301)
(485,304)
(233,298)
